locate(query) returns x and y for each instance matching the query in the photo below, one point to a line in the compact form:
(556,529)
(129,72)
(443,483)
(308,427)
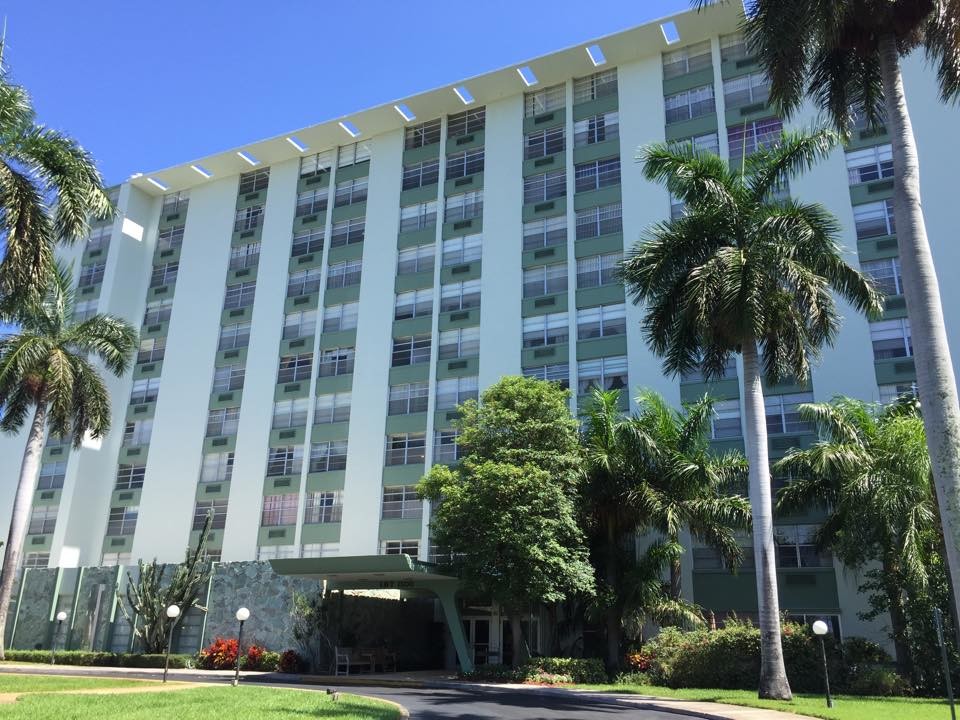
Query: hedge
(100,659)
(545,671)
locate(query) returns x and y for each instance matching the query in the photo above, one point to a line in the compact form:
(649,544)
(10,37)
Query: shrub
(290,662)
(632,678)
(878,681)
(491,673)
(269,662)
(221,654)
(543,678)
(580,670)
(90,658)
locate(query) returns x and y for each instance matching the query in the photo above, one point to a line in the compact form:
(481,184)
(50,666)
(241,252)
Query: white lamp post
(243,614)
(820,629)
(173,612)
(61,616)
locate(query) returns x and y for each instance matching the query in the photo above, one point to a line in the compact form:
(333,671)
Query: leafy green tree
(846,56)
(744,272)
(46,368)
(506,512)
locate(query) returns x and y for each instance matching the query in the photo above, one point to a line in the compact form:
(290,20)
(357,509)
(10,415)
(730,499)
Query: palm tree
(871,473)
(743,272)
(40,169)
(46,368)
(846,55)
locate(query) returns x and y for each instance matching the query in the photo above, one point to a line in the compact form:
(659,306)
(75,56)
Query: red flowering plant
(221,654)
(639,661)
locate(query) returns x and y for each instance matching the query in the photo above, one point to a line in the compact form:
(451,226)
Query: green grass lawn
(846,707)
(197,703)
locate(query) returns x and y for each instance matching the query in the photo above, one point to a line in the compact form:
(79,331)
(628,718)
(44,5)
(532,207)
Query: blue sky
(145,85)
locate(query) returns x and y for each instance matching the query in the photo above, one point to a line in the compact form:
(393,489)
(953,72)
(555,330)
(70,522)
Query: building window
(114,559)
(558,373)
(332,408)
(216,467)
(336,361)
(244,256)
(746,90)
(609,373)
(689,104)
(420,174)
(223,421)
(99,238)
(418,217)
(458,343)
(350,191)
(137,433)
(279,510)
(414,303)
(601,321)
(416,259)
(312,202)
(544,280)
(344,274)
(312,165)
(597,174)
(174,202)
(170,239)
(593,87)
(462,164)
(52,475)
(337,318)
(543,142)
(687,60)
(328,456)
(462,249)
(234,336)
(696,374)
(299,324)
(122,520)
(36,559)
(890,393)
(708,142)
(144,391)
(306,242)
(411,350)
(601,220)
(290,413)
(545,100)
(733,47)
(544,233)
(406,448)
(401,502)
(353,154)
(797,548)
(151,350)
(248,218)
(746,138)
(228,378)
(276,552)
(348,232)
(541,330)
(725,421)
(446,450)
(317,550)
(283,461)
(400,547)
(874,219)
(240,295)
(464,206)
(456,391)
(872,163)
(86,309)
(158,311)
(254,181)
(165,274)
(460,296)
(466,122)
(783,413)
(218,508)
(408,398)
(322,507)
(546,186)
(885,275)
(43,518)
(426,133)
(93,274)
(891,339)
(598,128)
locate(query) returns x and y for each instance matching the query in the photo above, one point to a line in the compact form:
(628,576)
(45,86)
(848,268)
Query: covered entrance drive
(402,573)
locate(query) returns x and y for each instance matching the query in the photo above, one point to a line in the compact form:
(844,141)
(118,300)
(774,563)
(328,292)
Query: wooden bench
(348,659)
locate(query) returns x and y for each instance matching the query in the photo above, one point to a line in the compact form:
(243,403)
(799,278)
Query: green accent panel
(698,126)
(91,292)
(596,151)
(867,138)
(602,347)
(174,218)
(445,418)
(462,227)
(778,445)
(409,373)
(417,237)
(305,262)
(336,296)
(808,588)
(535,166)
(786,386)
(737,68)
(214,539)
(412,326)
(718,389)
(699,78)
(348,212)
(403,475)
(147,370)
(162,291)
(323,432)
(276,535)
(722,446)
(747,113)
(314,182)
(458,367)
(313,220)
(413,281)
(141,411)
(424,193)
(134,454)
(465,142)
(553,253)
(242,237)
(598,245)
(554,118)
(895,370)
(155,330)
(233,357)
(547,208)
(603,196)
(454,186)
(161,257)
(593,107)
(213,490)
(545,355)
(236,315)
(292,390)
(334,383)
(47,497)
(878,248)
(717,589)
(414,422)
(125,498)
(871,191)
(426,152)
(344,338)
(296,345)
(34,543)
(320,533)
(459,319)
(220,444)
(602,295)
(332,480)
(259,197)
(280,437)
(894,306)
(397,529)
(543,305)
(282,485)
(460,272)
(300,302)
(90,256)
(352,172)
(54,453)
(117,544)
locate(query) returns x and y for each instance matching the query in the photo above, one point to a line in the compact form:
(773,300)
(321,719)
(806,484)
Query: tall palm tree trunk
(773,674)
(21,514)
(614,612)
(936,383)
(898,614)
(676,574)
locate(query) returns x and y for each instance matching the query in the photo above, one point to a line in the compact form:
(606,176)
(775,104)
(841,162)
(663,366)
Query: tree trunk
(898,615)
(516,631)
(936,383)
(676,578)
(614,624)
(21,515)
(773,674)
(614,613)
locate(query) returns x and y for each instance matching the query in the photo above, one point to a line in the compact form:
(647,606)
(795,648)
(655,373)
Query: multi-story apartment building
(314,306)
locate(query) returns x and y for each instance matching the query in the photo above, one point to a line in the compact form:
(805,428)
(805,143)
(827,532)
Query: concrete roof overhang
(368,572)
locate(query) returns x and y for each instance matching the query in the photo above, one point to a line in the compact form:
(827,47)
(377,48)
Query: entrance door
(477,631)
